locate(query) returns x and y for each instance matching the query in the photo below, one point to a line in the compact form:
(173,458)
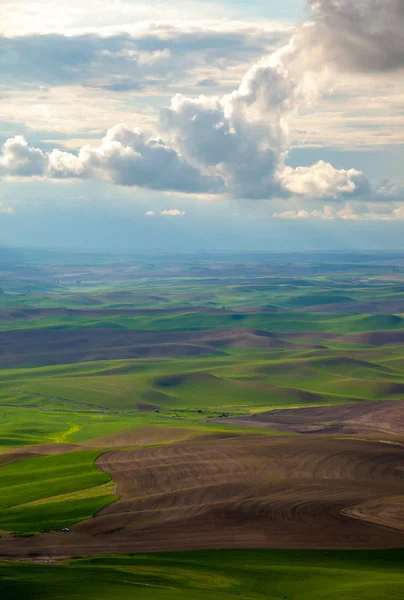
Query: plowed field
(242,492)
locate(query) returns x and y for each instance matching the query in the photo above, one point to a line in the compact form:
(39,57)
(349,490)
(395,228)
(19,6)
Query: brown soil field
(361,417)
(388,512)
(38,347)
(246,491)
(142,436)
(11,456)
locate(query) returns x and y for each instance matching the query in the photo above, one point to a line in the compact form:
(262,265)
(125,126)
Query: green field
(283,322)
(28,426)
(52,492)
(269,575)
(242,381)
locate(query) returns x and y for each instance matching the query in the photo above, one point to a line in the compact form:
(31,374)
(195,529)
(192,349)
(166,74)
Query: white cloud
(128,157)
(170,212)
(292,214)
(173,212)
(241,136)
(322,180)
(348,213)
(328,213)
(19,159)
(125,157)
(236,143)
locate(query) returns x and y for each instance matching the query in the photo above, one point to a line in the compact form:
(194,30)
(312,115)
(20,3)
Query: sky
(213,124)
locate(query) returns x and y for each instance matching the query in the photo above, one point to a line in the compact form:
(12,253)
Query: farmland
(196,403)
(50,492)
(273,575)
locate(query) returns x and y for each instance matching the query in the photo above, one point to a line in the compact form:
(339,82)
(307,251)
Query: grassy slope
(48,492)
(241,381)
(291,322)
(253,575)
(192,391)
(22,426)
(30,426)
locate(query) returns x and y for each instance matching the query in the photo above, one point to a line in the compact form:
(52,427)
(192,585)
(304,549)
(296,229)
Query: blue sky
(202,124)
(292,10)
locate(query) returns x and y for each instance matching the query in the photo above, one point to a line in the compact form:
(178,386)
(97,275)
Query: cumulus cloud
(169,212)
(173,212)
(128,157)
(322,180)
(348,213)
(19,159)
(223,136)
(327,213)
(360,34)
(345,35)
(125,157)
(238,143)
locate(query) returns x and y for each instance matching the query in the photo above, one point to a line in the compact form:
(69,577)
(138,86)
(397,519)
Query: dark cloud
(360,34)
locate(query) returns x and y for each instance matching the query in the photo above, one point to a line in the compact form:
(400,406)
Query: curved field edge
(223,575)
(47,493)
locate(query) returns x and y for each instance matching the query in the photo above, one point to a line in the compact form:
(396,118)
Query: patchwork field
(225,402)
(236,491)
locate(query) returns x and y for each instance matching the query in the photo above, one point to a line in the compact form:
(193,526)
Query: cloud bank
(238,144)
(121,59)
(348,213)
